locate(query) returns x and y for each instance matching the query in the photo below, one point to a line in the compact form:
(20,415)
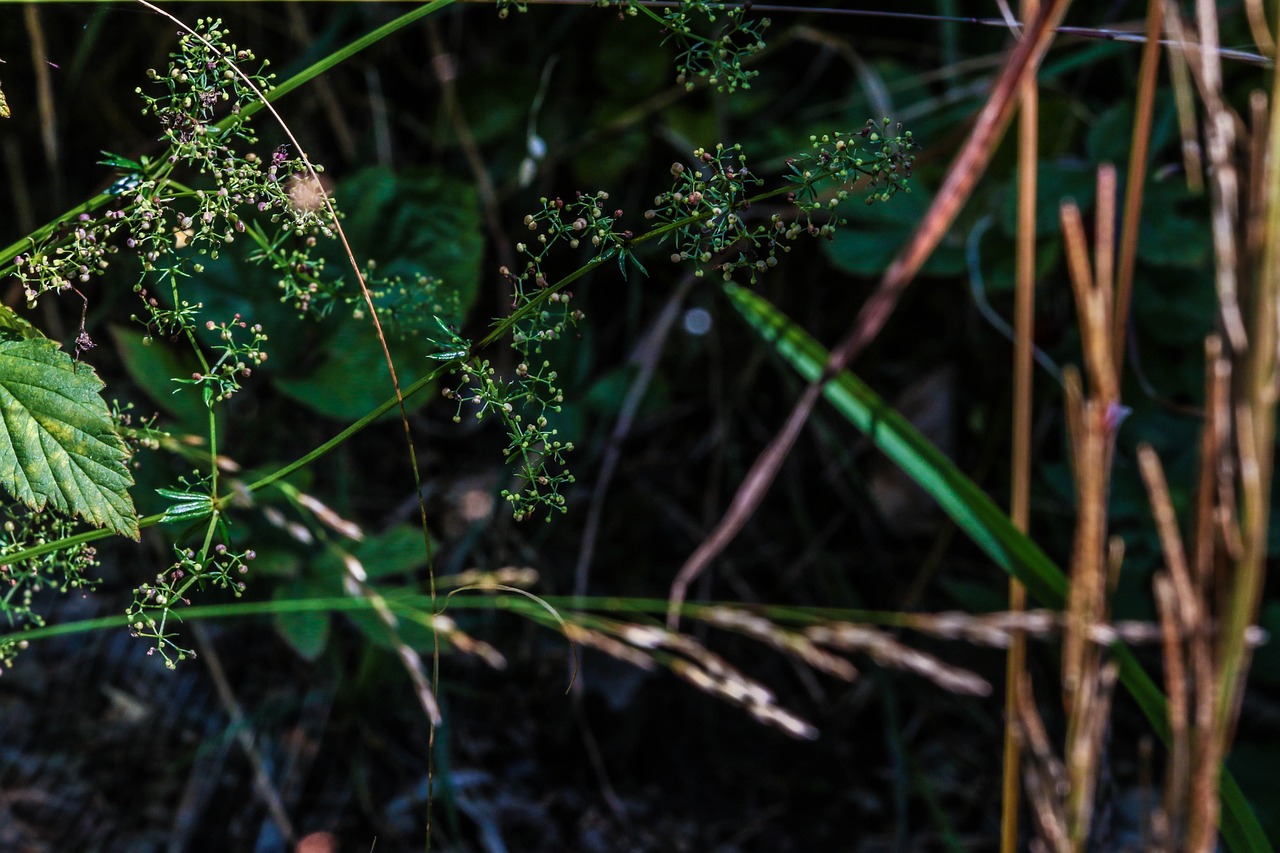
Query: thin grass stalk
(1215,527)
(1203,807)
(1258,27)
(1204,523)
(1224,186)
(1256,187)
(1184,99)
(1020,464)
(1175,556)
(1185,626)
(1177,773)
(1085,748)
(1115,561)
(1082,657)
(1136,179)
(1043,773)
(1104,243)
(1202,800)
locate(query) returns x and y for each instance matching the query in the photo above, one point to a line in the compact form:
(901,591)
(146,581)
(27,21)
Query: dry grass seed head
(887,651)
(789,642)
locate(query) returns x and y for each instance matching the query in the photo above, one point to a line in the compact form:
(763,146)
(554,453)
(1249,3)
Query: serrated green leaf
(186,512)
(187,506)
(58,445)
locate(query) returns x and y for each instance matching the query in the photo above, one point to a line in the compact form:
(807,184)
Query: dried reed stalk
(1208,602)
(1020,452)
(1135,181)
(1063,793)
(1087,680)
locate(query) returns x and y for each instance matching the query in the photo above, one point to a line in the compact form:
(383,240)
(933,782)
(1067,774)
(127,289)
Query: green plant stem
(345,53)
(413,601)
(347,433)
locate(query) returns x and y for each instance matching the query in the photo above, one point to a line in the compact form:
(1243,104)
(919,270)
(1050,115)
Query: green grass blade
(974,513)
(341,55)
(970,507)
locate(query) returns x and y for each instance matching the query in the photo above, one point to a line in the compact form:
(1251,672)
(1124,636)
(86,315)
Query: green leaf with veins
(58,445)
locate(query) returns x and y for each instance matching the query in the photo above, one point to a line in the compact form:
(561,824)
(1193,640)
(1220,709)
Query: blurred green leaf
(412,225)
(1055,182)
(876,233)
(1174,231)
(306,631)
(416,222)
(351,377)
(152,367)
(1110,134)
(393,552)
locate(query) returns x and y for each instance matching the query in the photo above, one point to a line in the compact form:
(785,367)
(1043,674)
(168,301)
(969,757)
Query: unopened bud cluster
(221,379)
(521,403)
(218,567)
(713,40)
(22,581)
(707,212)
(718,51)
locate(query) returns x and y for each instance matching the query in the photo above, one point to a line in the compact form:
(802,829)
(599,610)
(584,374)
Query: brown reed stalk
(1209,602)
(1136,178)
(1088,680)
(1217,539)
(1020,461)
(1190,802)
(1177,773)
(1044,775)
(1181,619)
(1255,435)
(1063,793)
(1245,209)
(1258,26)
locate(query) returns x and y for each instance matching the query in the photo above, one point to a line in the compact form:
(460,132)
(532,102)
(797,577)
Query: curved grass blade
(974,513)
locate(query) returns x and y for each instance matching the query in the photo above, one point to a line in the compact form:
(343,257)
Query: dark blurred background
(428,139)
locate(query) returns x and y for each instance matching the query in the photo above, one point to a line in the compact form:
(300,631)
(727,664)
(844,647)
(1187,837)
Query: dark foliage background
(104,749)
